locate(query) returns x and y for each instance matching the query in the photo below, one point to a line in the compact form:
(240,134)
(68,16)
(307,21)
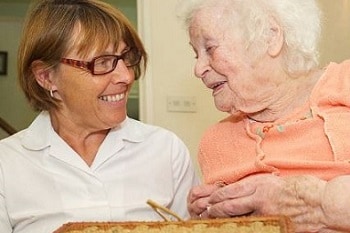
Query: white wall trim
(144,25)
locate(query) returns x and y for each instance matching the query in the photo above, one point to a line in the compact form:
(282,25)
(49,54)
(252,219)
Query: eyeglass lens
(107,63)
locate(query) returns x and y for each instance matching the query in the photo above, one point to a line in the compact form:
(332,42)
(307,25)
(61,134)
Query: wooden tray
(271,224)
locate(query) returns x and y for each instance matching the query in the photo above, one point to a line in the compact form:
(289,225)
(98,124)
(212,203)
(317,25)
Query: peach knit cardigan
(313,140)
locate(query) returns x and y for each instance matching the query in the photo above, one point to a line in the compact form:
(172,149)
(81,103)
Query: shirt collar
(38,134)
(130,130)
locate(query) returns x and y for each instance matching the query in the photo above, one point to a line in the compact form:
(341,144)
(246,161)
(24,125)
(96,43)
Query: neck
(83,141)
(293,95)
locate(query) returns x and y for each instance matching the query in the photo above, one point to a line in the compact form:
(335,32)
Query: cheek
(226,63)
(79,88)
(224,68)
(243,84)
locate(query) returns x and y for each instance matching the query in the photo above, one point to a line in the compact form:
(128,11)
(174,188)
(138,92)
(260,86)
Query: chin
(117,120)
(223,108)
(236,113)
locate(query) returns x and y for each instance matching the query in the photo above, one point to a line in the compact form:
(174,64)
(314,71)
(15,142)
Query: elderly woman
(83,159)
(284,148)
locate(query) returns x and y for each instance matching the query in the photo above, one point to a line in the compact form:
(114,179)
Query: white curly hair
(300,21)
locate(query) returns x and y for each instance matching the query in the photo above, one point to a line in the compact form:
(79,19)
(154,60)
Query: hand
(197,200)
(252,195)
(298,197)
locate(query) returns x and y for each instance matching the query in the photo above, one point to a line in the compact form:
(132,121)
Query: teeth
(217,84)
(113,98)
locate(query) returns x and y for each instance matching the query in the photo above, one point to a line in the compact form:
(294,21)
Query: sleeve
(5,225)
(184,176)
(333,87)
(330,100)
(336,204)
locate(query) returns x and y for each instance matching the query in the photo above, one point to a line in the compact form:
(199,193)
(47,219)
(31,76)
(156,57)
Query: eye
(104,61)
(195,53)
(210,49)
(132,57)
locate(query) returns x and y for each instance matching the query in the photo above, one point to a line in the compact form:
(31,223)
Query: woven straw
(266,224)
(272,224)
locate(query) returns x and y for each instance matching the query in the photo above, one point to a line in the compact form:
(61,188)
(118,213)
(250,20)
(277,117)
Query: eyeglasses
(106,63)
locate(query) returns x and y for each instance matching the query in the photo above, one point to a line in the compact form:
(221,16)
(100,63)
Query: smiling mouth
(216,85)
(112,98)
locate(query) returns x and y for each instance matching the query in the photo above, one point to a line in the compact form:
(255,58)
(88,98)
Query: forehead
(207,14)
(203,19)
(212,22)
(84,42)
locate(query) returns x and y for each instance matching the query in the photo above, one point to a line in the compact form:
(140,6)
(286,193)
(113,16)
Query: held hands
(298,197)
(248,196)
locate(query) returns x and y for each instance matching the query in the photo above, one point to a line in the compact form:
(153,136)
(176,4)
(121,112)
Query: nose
(202,66)
(122,73)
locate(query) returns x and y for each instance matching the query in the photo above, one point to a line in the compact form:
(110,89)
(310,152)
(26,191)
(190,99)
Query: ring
(208,208)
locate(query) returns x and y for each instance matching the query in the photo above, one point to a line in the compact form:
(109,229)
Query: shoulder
(336,73)
(11,148)
(13,141)
(149,131)
(224,126)
(158,140)
(333,86)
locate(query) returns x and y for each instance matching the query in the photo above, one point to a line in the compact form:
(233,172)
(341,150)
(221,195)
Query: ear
(43,75)
(275,38)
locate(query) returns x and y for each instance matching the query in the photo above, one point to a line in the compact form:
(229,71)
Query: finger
(197,199)
(200,191)
(204,215)
(232,191)
(232,207)
(198,207)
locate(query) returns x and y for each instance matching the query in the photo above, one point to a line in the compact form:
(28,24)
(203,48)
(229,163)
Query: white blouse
(44,183)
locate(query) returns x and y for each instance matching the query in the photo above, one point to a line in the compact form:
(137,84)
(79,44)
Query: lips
(112,98)
(216,85)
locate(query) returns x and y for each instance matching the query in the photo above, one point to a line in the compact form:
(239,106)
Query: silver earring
(51,93)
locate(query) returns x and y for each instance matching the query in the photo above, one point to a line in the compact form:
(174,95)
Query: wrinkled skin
(312,204)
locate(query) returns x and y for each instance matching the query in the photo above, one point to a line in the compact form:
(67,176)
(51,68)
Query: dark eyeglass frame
(90,65)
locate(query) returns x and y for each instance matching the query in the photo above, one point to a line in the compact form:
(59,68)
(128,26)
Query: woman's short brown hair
(47,33)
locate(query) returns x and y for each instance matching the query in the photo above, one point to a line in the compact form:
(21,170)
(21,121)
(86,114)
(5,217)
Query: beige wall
(335,44)
(171,62)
